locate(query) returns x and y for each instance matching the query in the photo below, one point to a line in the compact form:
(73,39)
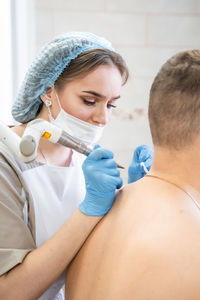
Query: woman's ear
(49,94)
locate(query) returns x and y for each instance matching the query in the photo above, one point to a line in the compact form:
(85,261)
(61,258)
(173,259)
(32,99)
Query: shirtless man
(148,245)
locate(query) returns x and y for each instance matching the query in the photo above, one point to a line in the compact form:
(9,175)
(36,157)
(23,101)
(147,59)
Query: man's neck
(179,167)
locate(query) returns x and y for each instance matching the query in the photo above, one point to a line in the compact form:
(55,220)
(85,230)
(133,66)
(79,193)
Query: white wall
(5,62)
(23,39)
(145,32)
(16,51)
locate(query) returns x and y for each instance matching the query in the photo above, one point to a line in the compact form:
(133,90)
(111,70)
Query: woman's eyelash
(87,102)
(111,105)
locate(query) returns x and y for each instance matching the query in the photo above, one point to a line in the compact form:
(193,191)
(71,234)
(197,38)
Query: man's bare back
(146,247)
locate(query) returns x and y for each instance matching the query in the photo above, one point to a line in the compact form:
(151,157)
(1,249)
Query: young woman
(48,207)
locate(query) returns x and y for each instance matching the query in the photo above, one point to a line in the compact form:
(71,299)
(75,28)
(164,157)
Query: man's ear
(49,94)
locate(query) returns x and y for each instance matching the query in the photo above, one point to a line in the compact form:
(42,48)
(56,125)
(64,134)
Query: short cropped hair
(174,105)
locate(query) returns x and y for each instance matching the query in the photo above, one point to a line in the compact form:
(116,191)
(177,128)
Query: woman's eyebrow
(99,95)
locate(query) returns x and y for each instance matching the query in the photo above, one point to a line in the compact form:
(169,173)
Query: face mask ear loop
(48,104)
(58,99)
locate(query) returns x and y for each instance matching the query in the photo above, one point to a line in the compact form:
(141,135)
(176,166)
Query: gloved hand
(141,154)
(102,178)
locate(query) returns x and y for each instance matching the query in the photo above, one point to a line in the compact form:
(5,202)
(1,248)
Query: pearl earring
(47,103)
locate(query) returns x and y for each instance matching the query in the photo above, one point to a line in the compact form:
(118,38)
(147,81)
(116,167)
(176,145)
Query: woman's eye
(88,102)
(111,105)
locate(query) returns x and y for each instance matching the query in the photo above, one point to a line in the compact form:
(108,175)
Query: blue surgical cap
(47,67)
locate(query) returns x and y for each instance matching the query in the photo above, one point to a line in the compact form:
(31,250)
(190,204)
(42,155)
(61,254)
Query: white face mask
(85,131)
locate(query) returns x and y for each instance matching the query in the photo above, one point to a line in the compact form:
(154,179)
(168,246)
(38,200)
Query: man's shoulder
(158,211)
(163,241)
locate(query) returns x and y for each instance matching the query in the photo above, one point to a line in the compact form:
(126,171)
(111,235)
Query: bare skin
(148,246)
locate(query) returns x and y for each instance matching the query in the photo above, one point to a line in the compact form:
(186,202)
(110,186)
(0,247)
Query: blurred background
(145,32)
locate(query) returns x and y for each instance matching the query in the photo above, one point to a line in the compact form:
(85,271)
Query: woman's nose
(100,116)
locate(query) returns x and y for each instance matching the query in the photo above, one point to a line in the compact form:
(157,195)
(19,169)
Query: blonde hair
(87,61)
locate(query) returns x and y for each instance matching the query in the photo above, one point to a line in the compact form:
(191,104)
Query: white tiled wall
(174,31)
(198,6)
(77,5)
(119,28)
(152,6)
(145,32)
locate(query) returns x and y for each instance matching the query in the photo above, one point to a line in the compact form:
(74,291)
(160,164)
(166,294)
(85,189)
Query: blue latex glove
(102,178)
(136,171)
